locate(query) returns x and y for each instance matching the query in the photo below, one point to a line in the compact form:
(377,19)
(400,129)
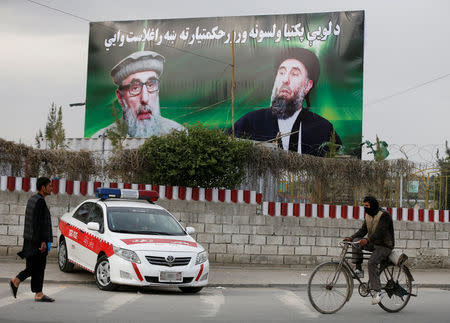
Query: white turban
(137,62)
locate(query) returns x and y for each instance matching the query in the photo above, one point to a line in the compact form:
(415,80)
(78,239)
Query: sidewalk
(223,275)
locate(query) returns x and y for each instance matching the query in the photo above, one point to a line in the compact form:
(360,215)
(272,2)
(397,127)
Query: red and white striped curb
(350,212)
(63,186)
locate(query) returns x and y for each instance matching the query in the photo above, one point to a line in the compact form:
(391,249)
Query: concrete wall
(239,234)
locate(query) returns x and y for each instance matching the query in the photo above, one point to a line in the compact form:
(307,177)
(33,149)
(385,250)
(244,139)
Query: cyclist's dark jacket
(383,234)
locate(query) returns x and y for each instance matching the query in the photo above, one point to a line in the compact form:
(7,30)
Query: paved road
(86,303)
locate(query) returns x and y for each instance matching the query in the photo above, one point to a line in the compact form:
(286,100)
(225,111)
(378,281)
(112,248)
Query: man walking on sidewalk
(37,235)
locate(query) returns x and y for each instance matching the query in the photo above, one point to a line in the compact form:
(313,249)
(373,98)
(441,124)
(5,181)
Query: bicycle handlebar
(351,243)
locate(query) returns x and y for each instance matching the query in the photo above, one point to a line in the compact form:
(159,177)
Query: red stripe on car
(85,239)
(155,240)
(199,273)
(136,270)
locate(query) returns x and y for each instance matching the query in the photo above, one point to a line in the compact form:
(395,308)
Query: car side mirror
(94,226)
(190,230)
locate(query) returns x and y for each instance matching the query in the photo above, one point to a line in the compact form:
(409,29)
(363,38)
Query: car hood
(156,243)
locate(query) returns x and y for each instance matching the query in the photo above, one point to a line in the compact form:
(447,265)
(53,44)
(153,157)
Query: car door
(92,239)
(77,233)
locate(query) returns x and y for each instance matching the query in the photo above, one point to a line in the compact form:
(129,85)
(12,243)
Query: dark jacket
(38,226)
(383,234)
(262,125)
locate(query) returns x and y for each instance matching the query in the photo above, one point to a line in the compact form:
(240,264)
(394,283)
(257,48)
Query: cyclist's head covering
(374,205)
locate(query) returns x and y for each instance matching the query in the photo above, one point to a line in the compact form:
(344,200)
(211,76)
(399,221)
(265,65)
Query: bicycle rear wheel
(397,287)
(328,287)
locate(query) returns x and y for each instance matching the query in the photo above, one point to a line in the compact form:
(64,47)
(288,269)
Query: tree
(54,131)
(197,157)
(59,135)
(38,138)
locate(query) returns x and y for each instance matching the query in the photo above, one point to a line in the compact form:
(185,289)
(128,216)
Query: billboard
(191,60)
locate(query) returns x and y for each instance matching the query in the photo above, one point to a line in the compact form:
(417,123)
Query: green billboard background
(196,82)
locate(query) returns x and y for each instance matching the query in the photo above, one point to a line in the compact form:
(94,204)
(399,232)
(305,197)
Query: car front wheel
(103,274)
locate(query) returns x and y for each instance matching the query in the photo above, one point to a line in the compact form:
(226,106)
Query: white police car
(130,242)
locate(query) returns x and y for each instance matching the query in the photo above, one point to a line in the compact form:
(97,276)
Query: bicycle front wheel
(397,287)
(328,287)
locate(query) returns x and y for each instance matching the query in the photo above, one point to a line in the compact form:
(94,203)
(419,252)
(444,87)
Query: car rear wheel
(190,290)
(63,261)
(103,274)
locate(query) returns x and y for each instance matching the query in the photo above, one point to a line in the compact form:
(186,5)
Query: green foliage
(59,135)
(380,152)
(54,131)
(51,122)
(197,157)
(118,132)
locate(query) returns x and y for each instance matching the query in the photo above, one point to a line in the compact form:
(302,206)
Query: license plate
(170,277)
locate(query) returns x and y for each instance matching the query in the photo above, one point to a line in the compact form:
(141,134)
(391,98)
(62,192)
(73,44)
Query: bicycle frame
(343,262)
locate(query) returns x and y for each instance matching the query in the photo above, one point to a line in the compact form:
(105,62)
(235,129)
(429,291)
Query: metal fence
(412,190)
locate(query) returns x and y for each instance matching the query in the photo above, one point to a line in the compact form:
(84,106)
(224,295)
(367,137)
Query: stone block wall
(239,234)
(12,217)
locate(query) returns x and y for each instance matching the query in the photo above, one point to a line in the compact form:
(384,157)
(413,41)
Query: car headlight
(127,255)
(201,257)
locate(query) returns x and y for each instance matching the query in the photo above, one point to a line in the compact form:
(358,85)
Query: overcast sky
(406,65)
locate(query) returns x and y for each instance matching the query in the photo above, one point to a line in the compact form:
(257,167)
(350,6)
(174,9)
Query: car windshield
(143,221)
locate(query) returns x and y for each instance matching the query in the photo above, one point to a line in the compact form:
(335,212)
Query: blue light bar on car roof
(106,193)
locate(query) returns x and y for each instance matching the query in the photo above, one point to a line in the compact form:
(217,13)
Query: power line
(407,90)
(202,108)
(59,10)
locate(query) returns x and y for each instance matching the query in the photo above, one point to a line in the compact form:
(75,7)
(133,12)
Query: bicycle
(331,283)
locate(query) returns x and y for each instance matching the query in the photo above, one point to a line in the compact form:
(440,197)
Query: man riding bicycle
(379,228)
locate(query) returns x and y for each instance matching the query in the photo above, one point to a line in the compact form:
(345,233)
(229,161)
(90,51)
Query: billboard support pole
(232,83)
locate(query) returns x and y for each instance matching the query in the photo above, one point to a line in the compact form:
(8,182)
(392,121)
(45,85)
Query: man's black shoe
(13,289)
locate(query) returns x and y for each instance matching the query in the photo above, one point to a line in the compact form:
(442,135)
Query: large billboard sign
(298,77)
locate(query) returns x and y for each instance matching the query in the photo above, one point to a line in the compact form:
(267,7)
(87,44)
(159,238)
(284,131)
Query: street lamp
(77,104)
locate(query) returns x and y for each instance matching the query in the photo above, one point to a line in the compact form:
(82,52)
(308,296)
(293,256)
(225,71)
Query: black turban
(307,58)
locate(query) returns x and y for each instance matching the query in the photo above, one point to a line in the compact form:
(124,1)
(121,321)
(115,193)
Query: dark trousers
(35,267)
(379,253)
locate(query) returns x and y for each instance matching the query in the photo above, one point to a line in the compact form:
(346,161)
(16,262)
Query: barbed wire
(426,155)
